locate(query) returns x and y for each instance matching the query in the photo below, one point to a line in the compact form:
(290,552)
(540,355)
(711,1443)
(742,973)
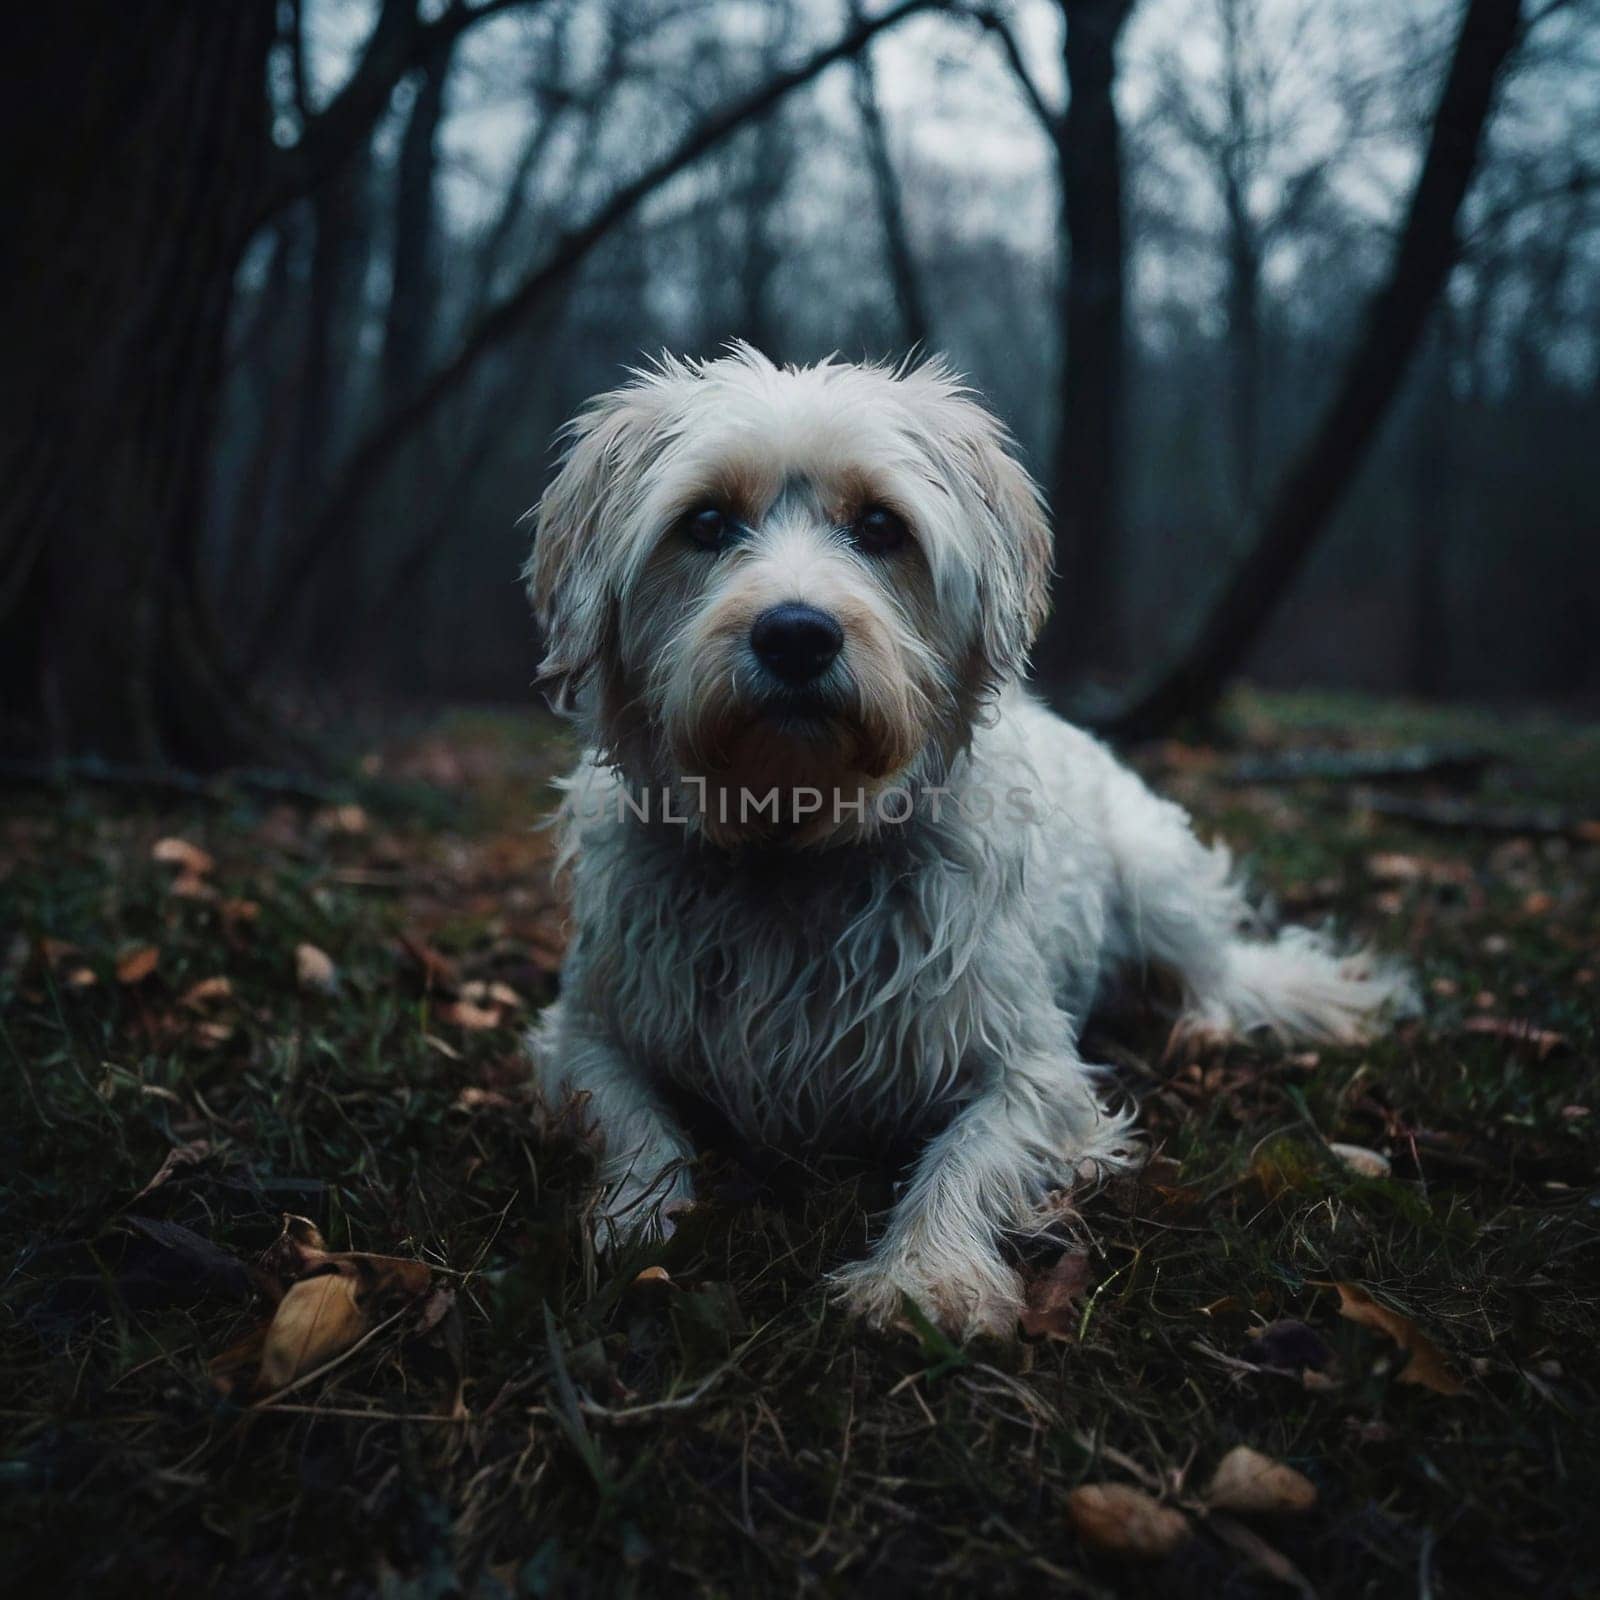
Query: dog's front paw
(639,1214)
(964,1294)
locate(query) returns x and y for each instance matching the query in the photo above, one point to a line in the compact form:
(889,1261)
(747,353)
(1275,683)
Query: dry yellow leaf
(1247,1480)
(1427,1365)
(1121,1520)
(333,1299)
(350,819)
(466,1015)
(317,1319)
(314,969)
(205,992)
(137,965)
(188,858)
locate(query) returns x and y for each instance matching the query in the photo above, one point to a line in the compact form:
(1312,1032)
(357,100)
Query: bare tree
(1317,480)
(1237,121)
(372,457)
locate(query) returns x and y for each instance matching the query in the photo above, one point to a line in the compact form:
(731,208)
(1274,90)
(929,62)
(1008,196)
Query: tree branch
(400,42)
(1049,118)
(571,250)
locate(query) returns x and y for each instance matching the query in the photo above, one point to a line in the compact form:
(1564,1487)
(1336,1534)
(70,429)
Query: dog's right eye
(708,527)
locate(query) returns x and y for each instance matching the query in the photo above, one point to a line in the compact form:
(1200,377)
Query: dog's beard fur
(864,726)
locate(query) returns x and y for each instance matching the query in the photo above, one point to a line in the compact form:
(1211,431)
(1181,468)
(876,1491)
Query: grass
(551,1428)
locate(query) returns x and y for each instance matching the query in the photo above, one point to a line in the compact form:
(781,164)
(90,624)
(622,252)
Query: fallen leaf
(348,819)
(494,994)
(317,1319)
(237,914)
(438,971)
(137,965)
(181,1156)
(1368,1163)
(1393,867)
(314,970)
(474,1097)
(466,1015)
(332,1299)
(1246,1480)
(188,858)
(1427,1364)
(56,951)
(205,992)
(1121,1520)
(1052,1297)
(1517,1031)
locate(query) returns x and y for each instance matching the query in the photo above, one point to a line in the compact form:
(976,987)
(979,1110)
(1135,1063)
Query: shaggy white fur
(918,925)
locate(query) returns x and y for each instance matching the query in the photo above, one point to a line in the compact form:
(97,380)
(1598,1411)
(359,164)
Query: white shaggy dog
(832,868)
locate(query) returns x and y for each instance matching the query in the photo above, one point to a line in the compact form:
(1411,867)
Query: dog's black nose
(796,642)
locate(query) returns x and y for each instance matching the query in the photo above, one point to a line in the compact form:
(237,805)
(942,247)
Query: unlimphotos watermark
(892,806)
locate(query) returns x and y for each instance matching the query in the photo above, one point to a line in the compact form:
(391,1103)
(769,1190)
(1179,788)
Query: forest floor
(214,1013)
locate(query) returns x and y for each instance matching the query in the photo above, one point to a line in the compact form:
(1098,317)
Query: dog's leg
(1037,1127)
(646,1155)
(1181,906)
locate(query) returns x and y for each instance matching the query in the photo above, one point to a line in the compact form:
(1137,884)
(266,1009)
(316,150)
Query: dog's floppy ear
(1013,525)
(577,532)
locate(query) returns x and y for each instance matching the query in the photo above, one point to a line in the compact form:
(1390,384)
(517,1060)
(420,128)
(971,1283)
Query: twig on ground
(1461,816)
(1461,765)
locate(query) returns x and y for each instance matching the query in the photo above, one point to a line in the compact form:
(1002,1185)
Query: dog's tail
(1297,986)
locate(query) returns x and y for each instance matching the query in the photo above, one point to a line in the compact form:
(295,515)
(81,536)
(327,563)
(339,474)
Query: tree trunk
(414,280)
(342,213)
(906,281)
(1316,482)
(1243,296)
(1433,505)
(1087,459)
(759,319)
(135,211)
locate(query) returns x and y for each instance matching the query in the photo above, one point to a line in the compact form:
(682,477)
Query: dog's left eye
(709,527)
(878,531)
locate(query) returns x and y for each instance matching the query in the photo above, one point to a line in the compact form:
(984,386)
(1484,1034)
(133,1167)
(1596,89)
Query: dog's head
(786,579)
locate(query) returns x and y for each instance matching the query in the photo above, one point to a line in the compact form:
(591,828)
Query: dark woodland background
(1293,305)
